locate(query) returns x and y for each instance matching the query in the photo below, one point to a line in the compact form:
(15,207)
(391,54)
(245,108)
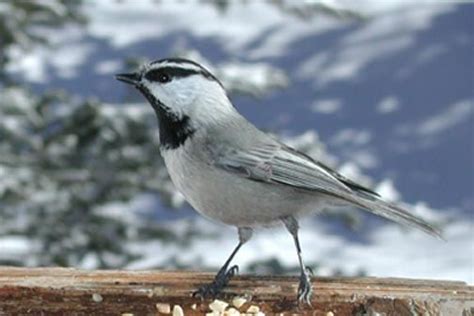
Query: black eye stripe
(172,72)
(166,74)
(158,76)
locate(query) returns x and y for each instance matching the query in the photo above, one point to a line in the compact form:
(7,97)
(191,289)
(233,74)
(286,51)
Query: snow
(128,22)
(350,136)
(454,115)
(388,105)
(112,66)
(387,190)
(68,59)
(399,253)
(391,251)
(326,106)
(247,78)
(14,247)
(151,21)
(29,64)
(65,54)
(348,62)
(365,158)
(377,40)
(426,132)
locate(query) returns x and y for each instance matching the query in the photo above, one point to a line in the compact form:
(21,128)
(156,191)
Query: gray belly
(236,200)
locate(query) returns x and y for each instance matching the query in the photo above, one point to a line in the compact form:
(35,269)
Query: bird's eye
(158,76)
(164,78)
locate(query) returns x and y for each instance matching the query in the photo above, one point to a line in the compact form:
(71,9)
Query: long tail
(389,211)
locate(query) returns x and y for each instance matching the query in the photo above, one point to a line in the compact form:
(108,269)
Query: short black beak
(132,78)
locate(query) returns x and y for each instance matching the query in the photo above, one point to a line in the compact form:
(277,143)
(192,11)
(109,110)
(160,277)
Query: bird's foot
(220,281)
(305,290)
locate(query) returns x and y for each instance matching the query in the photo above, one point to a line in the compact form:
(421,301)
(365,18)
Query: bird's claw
(220,281)
(305,289)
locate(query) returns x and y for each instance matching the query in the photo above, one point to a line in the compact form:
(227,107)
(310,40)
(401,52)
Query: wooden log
(61,291)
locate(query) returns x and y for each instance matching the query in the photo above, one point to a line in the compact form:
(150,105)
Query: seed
(238,301)
(163,308)
(253,309)
(178,311)
(96,297)
(218,306)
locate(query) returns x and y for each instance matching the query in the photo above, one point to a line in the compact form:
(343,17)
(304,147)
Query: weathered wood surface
(59,291)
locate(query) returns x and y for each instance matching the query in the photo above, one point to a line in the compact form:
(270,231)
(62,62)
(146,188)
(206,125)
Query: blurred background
(380,90)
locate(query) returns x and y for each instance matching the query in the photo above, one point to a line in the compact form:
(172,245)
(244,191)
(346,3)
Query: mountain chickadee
(232,172)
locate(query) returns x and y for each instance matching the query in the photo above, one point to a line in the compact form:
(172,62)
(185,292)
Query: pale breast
(187,171)
(229,198)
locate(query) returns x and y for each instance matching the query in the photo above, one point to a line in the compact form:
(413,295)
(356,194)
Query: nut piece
(238,301)
(178,311)
(96,297)
(126,314)
(218,306)
(163,308)
(253,309)
(329,314)
(231,312)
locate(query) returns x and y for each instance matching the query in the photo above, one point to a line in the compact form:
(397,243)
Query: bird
(233,173)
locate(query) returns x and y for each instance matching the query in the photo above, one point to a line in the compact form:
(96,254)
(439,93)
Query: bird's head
(183,89)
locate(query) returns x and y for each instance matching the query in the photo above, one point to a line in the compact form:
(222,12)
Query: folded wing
(275,163)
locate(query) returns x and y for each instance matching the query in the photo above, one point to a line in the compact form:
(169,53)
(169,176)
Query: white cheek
(168,95)
(182,92)
(157,91)
(203,100)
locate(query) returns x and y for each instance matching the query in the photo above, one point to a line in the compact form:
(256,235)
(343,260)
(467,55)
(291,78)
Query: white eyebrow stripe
(185,66)
(182,66)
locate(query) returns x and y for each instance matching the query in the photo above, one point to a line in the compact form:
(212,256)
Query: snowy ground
(389,252)
(381,93)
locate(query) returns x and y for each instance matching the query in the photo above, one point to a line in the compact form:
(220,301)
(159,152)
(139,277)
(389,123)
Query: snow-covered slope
(390,96)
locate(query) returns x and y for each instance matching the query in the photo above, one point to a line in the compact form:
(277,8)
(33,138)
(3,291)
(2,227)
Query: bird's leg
(224,275)
(305,290)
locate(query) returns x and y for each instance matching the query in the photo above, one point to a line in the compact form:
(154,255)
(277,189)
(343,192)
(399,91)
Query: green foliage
(69,166)
(24,23)
(63,162)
